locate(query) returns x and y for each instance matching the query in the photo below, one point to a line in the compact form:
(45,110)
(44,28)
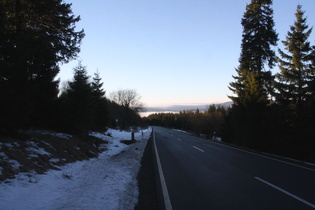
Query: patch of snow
(114,146)
(102,136)
(35,150)
(218,139)
(122,135)
(59,135)
(47,144)
(15,164)
(10,145)
(31,143)
(106,182)
(54,160)
(3,155)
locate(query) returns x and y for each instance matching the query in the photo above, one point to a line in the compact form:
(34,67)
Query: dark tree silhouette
(252,84)
(35,36)
(294,86)
(100,109)
(246,123)
(77,105)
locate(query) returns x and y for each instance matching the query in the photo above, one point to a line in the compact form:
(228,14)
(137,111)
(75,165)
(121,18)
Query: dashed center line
(198,149)
(179,139)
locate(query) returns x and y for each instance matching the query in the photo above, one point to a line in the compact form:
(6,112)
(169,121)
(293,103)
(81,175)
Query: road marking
(167,200)
(179,139)
(286,192)
(198,149)
(264,156)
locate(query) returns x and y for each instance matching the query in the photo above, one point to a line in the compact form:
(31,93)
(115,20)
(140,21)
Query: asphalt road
(200,174)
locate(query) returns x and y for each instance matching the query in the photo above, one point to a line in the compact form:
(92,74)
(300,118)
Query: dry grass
(17,156)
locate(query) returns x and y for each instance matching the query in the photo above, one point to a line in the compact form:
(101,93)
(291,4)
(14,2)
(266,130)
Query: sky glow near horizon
(172,52)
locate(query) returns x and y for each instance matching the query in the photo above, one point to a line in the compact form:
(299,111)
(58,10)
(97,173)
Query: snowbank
(106,182)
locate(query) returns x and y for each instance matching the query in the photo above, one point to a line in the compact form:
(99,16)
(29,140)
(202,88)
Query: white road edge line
(167,200)
(198,149)
(286,192)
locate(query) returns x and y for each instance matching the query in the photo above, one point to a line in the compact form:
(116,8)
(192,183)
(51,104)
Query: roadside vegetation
(272,113)
(208,123)
(36,37)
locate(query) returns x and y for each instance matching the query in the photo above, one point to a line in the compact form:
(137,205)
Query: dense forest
(208,123)
(36,37)
(271,112)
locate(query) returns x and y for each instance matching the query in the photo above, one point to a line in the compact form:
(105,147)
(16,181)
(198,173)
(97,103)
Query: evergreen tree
(246,124)
(295,89)
(35,36)
(77,102)
(100,103)
(252,84)
(294,85)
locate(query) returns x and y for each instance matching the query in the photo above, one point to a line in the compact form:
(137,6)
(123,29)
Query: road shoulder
(146,180)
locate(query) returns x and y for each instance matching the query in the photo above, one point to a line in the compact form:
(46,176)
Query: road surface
(200,174)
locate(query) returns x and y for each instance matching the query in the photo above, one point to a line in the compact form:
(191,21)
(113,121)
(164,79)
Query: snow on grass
(114,146)
(35,150)
(59,135)
(113,138)
(2,156)
(14,163)
(106,182)
(54,160)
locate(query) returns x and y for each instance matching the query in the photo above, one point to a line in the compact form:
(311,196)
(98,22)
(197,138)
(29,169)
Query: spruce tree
(297,76)
(100,109)
(77,102)
(35,36)
(252,84)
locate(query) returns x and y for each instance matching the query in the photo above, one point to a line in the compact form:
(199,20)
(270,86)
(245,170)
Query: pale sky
(172,52)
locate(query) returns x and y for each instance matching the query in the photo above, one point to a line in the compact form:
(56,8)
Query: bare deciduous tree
(128,98)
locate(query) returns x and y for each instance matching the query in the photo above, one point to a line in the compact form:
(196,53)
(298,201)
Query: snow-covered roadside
(106,182)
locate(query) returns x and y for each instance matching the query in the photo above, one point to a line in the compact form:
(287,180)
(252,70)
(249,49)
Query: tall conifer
(35,36)
(77,102)
(295,81)
(252,84)
(100,110)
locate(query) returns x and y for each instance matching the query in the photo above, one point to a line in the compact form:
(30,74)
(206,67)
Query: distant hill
(178,108)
